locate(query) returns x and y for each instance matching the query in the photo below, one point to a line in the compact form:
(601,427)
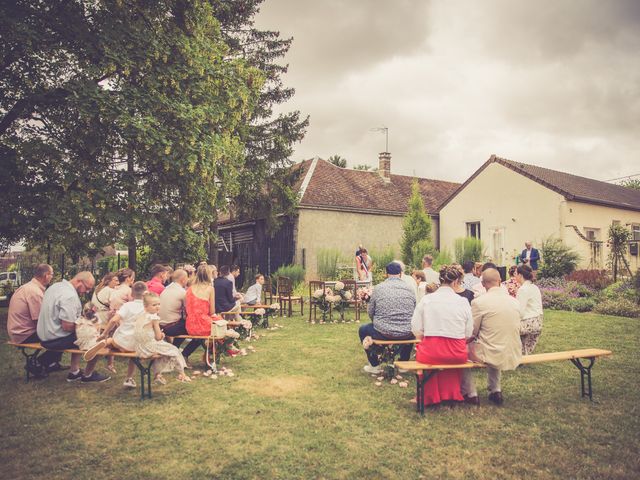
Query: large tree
(416,236)
(120,118)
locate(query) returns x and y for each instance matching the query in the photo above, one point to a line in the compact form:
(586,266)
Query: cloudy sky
(553,83)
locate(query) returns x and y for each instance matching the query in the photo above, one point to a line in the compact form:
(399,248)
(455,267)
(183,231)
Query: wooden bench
(390,349)
(424,372)
(145,371)
(267,310)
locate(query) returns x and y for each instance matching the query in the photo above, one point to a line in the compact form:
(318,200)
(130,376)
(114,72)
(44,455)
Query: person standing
(364,265)
(60,310)
(431,276)
(530,300)
(530,256)
(22,319)
(390,309)
(496,330)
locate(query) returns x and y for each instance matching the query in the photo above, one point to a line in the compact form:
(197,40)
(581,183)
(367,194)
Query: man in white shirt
(172,311)
(56,327)
(469,280)
(431,275)
(254,292)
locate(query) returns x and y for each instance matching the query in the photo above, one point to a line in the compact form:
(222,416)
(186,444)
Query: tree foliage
(468,249)
(138,120)
(338,161)
(416,237)
(631,183)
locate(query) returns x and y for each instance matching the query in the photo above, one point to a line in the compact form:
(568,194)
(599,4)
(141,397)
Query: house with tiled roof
(505,203)
(338,208)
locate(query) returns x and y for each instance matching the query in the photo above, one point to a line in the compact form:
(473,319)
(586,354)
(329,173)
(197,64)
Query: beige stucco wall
(501,199)
(586,216)
(344,231)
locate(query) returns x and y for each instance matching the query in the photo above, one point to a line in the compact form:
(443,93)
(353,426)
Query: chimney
(384,166)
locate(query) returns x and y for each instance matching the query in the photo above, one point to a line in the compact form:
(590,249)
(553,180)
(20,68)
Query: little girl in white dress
(149,340)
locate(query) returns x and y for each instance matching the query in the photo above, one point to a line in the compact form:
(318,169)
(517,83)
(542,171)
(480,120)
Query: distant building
(506,203)
(339,208)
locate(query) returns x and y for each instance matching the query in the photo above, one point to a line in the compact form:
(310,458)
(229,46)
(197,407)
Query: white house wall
(502,200)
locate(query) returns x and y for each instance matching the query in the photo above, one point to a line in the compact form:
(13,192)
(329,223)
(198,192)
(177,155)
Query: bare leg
(131,368)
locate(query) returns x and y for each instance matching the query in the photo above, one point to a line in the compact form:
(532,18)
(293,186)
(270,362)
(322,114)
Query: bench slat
(395,342)
(104,352)
(526,360)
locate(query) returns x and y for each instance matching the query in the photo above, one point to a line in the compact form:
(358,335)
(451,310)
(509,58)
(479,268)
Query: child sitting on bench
(149,341)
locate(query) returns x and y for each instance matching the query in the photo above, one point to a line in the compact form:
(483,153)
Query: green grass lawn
(301,407)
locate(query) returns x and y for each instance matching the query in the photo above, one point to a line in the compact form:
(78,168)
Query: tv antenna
(386,133)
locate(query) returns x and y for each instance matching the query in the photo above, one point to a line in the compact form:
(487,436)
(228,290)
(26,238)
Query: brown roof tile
(338,188)
(572,187)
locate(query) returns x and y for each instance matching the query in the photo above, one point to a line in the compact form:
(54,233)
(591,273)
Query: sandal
(111,368)
(161,380)
(184,379)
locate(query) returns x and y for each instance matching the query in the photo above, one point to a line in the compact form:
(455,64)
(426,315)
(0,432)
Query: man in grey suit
(496,329)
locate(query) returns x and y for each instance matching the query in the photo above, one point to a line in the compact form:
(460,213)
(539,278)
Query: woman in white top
(443,322)
(101,299)
(530,300)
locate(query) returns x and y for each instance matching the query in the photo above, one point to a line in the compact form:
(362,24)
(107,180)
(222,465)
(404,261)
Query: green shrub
(418,251)
(468,248)
(382,257)
(581,304)
(620,307)
(294,272)
(328,259)
(556,299)
(557,258)
(621,290)
(443,257)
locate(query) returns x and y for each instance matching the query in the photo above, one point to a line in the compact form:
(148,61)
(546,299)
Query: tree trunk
(213,243)
(132,245)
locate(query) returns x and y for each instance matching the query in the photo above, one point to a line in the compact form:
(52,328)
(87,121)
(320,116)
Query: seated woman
(443,321)
(421,280)
(200,303)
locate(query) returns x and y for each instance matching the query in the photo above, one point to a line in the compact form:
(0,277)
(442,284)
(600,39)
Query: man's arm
(477,318)
(67,315)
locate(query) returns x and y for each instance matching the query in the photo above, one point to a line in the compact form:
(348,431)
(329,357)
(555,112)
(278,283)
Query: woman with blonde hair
(200,303)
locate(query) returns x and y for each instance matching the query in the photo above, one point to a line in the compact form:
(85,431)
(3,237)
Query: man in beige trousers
(496,329)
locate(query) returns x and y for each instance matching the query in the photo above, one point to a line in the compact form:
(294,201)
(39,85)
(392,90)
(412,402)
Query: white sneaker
(93,351)
(129,383)
(373,370)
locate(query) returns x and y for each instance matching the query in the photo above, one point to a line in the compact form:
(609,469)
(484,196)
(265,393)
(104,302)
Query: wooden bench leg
(144,372)
(585,371)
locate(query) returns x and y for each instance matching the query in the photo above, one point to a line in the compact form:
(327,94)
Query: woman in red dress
(200,303)
(443,321)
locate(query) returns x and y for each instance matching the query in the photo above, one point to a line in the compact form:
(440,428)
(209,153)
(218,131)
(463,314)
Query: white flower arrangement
(259,311)
(347,295)
(274,306)
(339,286)
(318,293)
(232,334)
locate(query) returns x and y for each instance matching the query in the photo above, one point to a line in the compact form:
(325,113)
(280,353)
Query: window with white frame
(473,229)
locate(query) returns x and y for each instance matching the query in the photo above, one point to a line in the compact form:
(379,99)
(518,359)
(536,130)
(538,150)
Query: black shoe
(496,397)
(95,377)
(472,400)
(74,377)
(56,367)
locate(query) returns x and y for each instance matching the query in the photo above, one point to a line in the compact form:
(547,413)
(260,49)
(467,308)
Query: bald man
(59,312)
(496,329)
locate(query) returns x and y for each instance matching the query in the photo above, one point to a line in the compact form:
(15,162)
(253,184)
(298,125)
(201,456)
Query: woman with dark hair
(122,293)
(459,289)
(512,284)
(530,300)
(443,323)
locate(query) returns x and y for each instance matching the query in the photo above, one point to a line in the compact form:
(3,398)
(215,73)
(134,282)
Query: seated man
(22,318)
(60,310)
(234,273)
(391,309)
(225,301)
(496,327)
(172,311)
(159,274)
(254,292)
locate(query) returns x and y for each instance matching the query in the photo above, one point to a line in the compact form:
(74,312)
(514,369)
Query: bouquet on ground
(364,294)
